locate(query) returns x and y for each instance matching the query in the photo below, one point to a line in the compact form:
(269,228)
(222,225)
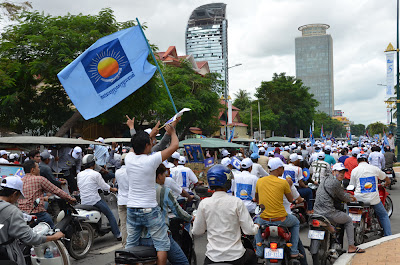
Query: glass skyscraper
(207,37)
(314,64)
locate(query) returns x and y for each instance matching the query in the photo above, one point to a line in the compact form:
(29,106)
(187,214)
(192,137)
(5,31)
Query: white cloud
(261,36)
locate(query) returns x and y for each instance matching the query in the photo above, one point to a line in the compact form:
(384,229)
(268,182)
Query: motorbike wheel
(389,206)
(81,242)
(359,232)
(63,253)
(320,257)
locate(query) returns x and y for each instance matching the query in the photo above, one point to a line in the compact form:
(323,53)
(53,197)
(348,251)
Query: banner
(111,69)
(389,74)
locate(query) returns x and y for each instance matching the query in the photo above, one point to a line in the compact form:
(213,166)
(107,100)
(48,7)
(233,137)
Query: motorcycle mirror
(36,202)
(350,188)
(257,210)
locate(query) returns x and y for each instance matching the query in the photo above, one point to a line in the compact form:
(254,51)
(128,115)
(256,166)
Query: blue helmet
(254,156)
(219,176)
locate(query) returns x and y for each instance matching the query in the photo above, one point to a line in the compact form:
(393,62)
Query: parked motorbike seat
(140,252)
(365,203)
(86,207)
(359,203)
(320,217)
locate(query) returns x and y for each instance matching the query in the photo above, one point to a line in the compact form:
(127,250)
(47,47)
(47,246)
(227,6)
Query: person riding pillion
(245,185)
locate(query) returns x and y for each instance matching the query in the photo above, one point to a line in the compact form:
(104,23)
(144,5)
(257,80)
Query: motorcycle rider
(89,182)
(350,164)
(269,195)
(13,226)
(223,216)
(329,190)
(365,179)
(184,176)
(257,170)
(376,158)
(390,158)
(319,169)
(245,185)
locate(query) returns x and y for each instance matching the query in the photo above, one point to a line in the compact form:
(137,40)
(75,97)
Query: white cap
(300,157)
(265,145)
(246,163)
(262,149)
(3,152)
(327,148)
(175,155)
(13,183)
(182,160)
(339,167)
(293,157)
(362,156)
(271,153)
(365,149)
(226,161)
(100,139)
(76,152)
(275,163)
(286,148)
(334,149)
(355,151)
(168,164)
(225,153)
(321,155)
(14,156)
(148,130)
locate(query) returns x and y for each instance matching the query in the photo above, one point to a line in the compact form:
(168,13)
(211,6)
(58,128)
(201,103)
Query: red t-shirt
(350,163)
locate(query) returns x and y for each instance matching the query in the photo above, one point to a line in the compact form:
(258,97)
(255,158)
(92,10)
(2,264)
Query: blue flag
(232,134)
(312,140)
(110,70)
(253,148)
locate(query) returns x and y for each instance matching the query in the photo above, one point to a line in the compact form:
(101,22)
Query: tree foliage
(357,129)
(376,128)
(242,99)
(329,125)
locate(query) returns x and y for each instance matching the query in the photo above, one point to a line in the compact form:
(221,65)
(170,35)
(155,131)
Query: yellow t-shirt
(271,190)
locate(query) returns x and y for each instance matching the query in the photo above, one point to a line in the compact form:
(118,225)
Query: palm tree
(242,99)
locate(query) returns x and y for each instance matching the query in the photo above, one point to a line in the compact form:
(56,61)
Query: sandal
(358,250)
(300,256)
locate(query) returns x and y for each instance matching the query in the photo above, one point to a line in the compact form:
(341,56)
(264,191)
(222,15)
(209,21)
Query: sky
(261,36)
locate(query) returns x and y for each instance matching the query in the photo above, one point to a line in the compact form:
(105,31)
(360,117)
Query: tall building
(314,64)
(207,38)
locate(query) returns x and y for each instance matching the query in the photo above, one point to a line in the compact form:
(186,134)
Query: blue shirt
(329,159)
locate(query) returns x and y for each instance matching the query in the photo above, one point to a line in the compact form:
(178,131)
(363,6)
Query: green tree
(330,125)
(242,99)
(286,105)
(357,129)
(32,52)
(376,128)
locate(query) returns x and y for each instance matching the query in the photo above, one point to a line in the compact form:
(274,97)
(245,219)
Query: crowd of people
(153,179)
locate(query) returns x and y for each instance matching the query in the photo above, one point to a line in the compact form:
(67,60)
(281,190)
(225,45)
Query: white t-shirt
(258,171)
(295,195)
(245,189)
(4,161)
(89,182)
(123,185)
(184,176)
(141,170)
(365,178)
(294,172)
(173,186)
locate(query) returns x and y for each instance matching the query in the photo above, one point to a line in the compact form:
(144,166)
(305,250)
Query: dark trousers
(346,183)
(248,258)
(70,176)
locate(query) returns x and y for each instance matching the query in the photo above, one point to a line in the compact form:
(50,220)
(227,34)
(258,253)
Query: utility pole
(259,120)
(251,121)
(397,88)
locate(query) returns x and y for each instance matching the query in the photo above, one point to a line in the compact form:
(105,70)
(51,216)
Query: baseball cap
(271,153)
(182,160)
(339,167)
(294,157)
(321,155)
(277,150)
(226,161)
(45,155)
(355,151)
(246,163)
(275,163)
(14,156)
(327,148)
(3,152)
(75,153)
(300,157)
(286,148)
(262,149)
(100,139)
(13,183)
(362,156)
(148,130)
(254,156)
(225,153)
(168,164)
(176,155)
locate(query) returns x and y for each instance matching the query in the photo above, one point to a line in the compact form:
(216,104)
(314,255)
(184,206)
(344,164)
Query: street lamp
(226,97)
(397,88)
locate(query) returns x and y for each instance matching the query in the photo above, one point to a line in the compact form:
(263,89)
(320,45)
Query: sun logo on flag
(106,65)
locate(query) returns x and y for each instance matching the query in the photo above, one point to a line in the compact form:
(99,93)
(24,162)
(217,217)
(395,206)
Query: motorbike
(136,255)
(78,234)
(275,241)
(391,175)
(326,240)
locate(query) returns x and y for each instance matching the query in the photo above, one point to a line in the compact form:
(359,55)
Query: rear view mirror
(350,188)
(36,202)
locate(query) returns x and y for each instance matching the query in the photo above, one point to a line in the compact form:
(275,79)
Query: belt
(274,219)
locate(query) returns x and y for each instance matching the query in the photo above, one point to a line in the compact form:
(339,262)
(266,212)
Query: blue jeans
(383,218)
(138,218)
(44,217)
(291,222)
(103,207)
(175,253)
(306,193)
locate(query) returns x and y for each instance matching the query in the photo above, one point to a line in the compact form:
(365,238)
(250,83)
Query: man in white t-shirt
(365,178)
(3,157)
(184,176)
(257,170)
(245,185)
(122,180)
(143,210)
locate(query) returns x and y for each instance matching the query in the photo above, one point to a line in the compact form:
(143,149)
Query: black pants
(346,183)
(248,258)
(70,176)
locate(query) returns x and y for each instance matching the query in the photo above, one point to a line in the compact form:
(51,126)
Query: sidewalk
(384,251)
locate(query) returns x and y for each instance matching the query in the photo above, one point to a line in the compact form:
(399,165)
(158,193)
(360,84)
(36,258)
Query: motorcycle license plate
(273,253)
(314,234)
(355,217)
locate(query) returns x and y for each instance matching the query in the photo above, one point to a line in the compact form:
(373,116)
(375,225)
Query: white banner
(388,116)
(389,74)
(229,112)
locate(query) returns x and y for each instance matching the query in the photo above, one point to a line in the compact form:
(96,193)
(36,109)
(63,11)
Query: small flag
(312,136)
(20,173)
(208,162)
(180,113)
(253,148)
(366,134)
(322,132)
(232,134)
(111,69)
(235,162)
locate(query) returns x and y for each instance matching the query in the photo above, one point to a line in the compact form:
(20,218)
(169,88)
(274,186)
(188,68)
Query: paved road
(104,247)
